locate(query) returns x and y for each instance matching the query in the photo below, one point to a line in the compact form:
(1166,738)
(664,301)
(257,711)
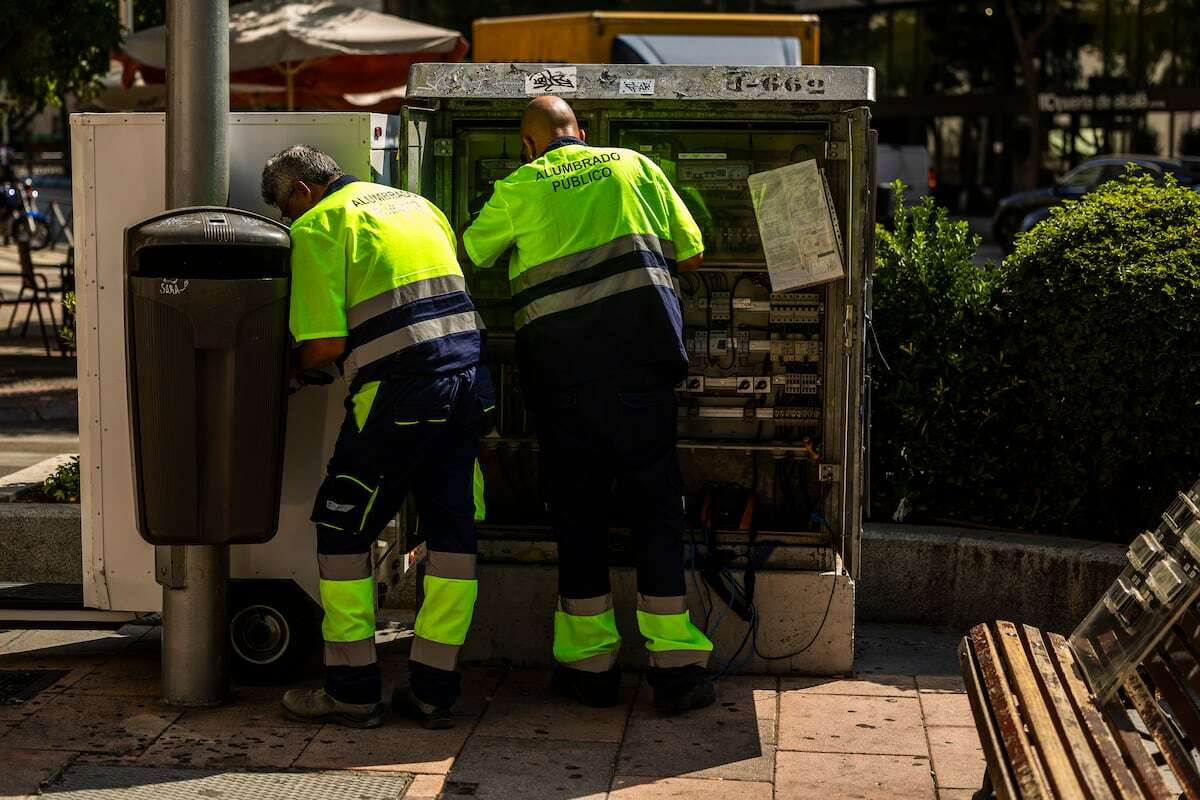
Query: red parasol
(315,53)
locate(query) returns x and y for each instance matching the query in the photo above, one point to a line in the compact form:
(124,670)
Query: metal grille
(98,782)
(20,686)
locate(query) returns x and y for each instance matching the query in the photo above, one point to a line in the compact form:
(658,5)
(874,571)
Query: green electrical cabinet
(773,414)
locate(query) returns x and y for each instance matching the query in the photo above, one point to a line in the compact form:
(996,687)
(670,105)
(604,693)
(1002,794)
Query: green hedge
(1060,392)
(930,309)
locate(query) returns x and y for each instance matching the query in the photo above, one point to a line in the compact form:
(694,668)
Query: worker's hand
(309,377)
(314,377)
(463,258)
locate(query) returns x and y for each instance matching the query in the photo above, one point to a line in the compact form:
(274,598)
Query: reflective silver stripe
(350,654)
(585,607)
(574,262)
(403,295)
(434,654)
(568,299)
(601,662)
(353,567)
(458,566)
(417,333)
(653,604)
(679,658)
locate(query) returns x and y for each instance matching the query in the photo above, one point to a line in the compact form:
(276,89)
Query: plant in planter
(63,485)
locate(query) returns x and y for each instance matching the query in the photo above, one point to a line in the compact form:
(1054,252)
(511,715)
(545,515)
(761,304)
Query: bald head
(546,118)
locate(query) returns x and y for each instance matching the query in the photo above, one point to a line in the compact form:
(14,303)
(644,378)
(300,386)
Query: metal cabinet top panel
(642,82)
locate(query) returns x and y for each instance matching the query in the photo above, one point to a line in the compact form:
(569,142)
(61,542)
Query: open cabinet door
(869,315)
(416,150)
(859,243)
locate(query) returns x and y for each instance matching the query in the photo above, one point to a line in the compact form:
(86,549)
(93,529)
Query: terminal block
(800,416)
(795,350)
(795,308)
(798,382)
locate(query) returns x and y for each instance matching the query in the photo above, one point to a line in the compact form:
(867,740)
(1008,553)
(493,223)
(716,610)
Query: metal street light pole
(195,661)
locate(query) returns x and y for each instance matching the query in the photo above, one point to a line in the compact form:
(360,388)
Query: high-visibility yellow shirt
(595,234)
(378,265)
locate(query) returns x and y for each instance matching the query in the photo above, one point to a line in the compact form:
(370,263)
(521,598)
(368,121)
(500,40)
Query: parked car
(1019,212)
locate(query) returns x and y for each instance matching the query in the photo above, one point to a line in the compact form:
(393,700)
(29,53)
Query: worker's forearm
(317,353)
(691,263)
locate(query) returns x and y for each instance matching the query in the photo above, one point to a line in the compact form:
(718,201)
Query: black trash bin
(207,345)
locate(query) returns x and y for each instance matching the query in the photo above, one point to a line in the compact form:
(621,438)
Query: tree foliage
(49,49)
(149,14)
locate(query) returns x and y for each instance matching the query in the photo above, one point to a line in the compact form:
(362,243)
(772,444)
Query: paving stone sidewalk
(900,728)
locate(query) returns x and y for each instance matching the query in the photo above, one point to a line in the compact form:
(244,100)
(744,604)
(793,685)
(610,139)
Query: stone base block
(806,617)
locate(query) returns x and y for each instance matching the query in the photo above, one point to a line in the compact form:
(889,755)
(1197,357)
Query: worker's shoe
(680,689)
(315,705)
(431,717)
(595,689)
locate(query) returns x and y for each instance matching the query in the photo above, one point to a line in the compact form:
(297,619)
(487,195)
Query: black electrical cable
(824,617)
(747,636)
(732,329)
(696,583)
(708,290)
(802,650)
(739,593)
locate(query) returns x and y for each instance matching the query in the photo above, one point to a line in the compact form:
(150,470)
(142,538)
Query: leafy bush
(67,332)
(1099,315)
(1060,392)
(63,485)
(930,303)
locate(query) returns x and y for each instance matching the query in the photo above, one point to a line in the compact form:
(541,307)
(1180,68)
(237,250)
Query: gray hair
(300,162)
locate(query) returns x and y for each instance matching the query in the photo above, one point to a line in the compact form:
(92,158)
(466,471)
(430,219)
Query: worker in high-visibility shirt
(377,288)
(597,234)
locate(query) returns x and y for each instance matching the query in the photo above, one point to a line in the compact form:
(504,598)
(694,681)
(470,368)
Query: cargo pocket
(344,503)
(484,390)
(412,415)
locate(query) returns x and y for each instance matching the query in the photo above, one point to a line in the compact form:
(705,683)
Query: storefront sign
(1129,101)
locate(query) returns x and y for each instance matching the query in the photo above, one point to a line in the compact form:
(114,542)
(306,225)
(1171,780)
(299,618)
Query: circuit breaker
(772,410)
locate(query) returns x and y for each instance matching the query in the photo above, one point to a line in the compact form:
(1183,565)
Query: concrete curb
(911,574)
(959,577)
(38,365)
(55,413)
(40,543)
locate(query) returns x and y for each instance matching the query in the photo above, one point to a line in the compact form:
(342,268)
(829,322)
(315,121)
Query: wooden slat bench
(1115,710)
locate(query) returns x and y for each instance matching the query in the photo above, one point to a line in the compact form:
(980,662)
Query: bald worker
(597,235)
